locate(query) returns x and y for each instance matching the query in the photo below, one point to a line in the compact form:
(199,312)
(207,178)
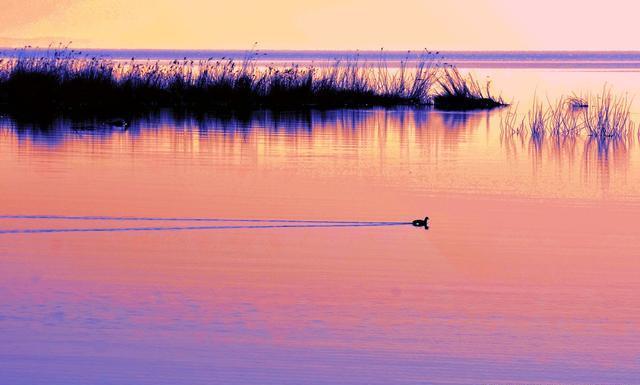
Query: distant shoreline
(461,59)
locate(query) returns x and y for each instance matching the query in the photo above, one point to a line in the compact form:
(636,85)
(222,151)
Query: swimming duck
(421,223)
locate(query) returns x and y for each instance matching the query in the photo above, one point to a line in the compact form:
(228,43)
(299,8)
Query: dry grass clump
(608,116)
(458,92)
(562,118)
(553,119)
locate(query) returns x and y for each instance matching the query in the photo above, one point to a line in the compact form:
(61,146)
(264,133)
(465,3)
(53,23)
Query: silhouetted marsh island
(66,80)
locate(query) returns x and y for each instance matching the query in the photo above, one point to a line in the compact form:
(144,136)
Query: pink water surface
(529,274)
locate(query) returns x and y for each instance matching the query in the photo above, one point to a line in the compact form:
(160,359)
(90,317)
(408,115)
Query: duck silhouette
(421,223)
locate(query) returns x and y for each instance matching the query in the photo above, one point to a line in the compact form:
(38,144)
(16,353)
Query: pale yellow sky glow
(324,24)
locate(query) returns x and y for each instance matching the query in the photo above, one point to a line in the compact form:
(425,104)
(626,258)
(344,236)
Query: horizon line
(52,47)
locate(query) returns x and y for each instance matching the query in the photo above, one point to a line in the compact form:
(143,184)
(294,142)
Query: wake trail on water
(186,228)
(189,219)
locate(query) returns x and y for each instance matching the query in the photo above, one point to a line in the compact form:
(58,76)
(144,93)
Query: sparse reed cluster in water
(603,116)
(66,79)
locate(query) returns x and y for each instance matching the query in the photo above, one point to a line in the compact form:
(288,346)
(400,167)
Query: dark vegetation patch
(65,80)
(463,93)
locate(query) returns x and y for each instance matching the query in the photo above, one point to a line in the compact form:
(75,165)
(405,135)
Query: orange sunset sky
(324,24)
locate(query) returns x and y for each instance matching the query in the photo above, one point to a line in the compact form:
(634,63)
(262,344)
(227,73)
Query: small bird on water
(421,223)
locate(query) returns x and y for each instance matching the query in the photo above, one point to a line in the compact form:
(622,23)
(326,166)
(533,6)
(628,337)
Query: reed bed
(65,79)
(562,119)
(604,116)
(462,93)
(609,116)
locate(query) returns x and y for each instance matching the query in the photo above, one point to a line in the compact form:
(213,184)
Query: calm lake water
(530,273)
